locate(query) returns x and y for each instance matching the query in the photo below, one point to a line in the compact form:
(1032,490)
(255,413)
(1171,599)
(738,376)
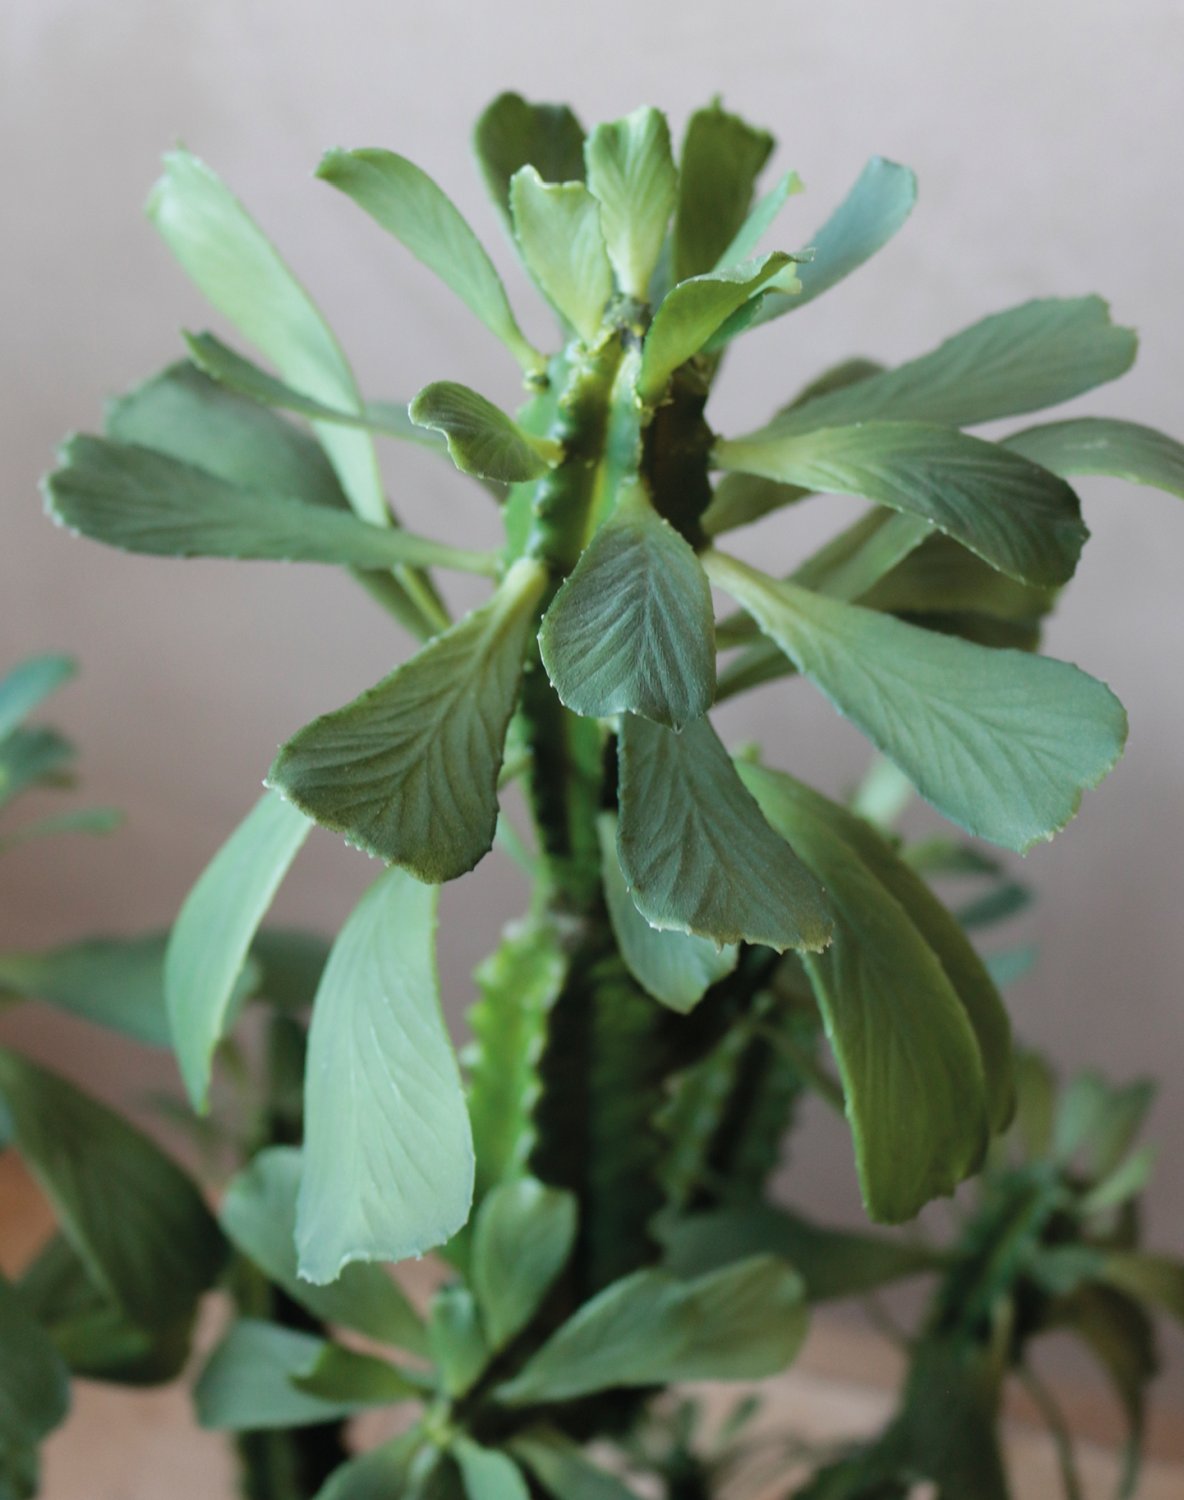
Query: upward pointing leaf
(28,684)
(631,174)
(388,1154)
(557,226)
(408,771)
(758,222)
(481,439)
(1102,445)
(632,629)
(488,1474)
(512,134)
(408,204)
(696,851)
(523,1236)
(721,158)
(215,928)
(1001,742)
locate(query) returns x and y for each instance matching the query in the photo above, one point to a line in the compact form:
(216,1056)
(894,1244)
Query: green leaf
(674,967)
(1035,1103)
(939,576)
(1031,356)
(1156,1280)
(557,226)
(631,173)
(950,1418)
(741,1323)
(458,1344)
(258,1215)
(238,270)
(381,1474)
(247,1384)
(1104,445)
(721,158)
(34,1383)
(388,1155)
(1002,742)
(214,930)
(1125,1181)
(481,439)
(513,133)
(136,1221)
(408,771)
(408,204)
(561,1468)
(114,982)
(1013,514)
(488,1474)
(632,628)
(340,1374)
(694,310)
(33,757)
(522,1239)
(97,820)
(758,222)
(740,499)
(912,1072)
(695,850)
(28,684)
(875,208)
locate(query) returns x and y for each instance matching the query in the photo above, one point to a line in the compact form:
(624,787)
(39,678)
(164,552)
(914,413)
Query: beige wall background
(1047,136)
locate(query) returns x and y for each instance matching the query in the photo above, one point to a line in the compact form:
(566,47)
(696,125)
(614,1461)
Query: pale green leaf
(513,133)
(457,1339)
(114,982)
(340,1374)
(144,501)
(740,1323)
(1104,445)
(720,161)
(557,226)
(632,629)
(34,1382)
(136,1221)
(388,1156)
(408,771)
(28,684)
(1018,517)
(97,820)
(405,201)
(759,221)
(1126,1181)
(561,1468)
(695,850)
(1002,742)
(215,928)
(674,967)
(258,1215)
(488,1474)
(631,173)
(481,439)
(523,1236)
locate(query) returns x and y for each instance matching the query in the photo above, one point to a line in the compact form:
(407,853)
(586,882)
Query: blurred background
(1047,138)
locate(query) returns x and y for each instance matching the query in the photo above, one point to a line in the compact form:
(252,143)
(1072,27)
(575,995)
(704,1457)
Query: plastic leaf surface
(759,222)
(513,133)
(523,1236)
(1103,445)
(721,158)
(481,439)
(631,173)
(557,226)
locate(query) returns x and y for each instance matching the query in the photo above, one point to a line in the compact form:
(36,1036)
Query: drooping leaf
(721,158)
(258,1215)
(523,1236)
(1013,514)
(136,1221)
(561,1468)
(28,684)
(740,1323)
(214,930)
(557,226)
(1104,445)
(114,982)
(513,133)
(631,174)
(487,1473)
(695,850)
(408,771)
(674,967)
(457,1339)
(143,501)
(96,820)
(408,204)
(388,1155)
(34,1382)
(481,439)
(1002,742)
(631,629)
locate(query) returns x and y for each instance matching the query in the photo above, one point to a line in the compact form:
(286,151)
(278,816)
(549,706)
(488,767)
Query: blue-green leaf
(488,1474)
(457,1339)
(758,222)
(631,174)
(513,133)
(1104,445)
(481,439)
(719,163)
(522,1238)
(114,982)
(560,1467)
(557,226)
(28,684)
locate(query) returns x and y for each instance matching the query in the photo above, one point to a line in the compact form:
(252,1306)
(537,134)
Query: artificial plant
(700,925)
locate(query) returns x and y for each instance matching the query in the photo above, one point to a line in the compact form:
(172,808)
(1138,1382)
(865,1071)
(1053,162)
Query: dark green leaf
(939,576)
(950,1419)
(481,439)
(1156,1280)
(513,133)
(721,158)
(1007,899)
(28,684)
(488,1474)
(557,226)
(631,173)
(115,982)
(34,1383)
(339,1374)
(388,1155)
(561,1468)
(33,757)
(381,1474)
(522,1239)
(695,850)
(739,499)
(1103,445)
(457,1339)
(409,770)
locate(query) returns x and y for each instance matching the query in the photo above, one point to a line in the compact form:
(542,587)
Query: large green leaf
(740,1323)
(631,629)
(674,967)
(144,501)
(258,1215)
(1017,516)
(513,133)
(388,1154)
(34,1383)
(719,163)
(489,1474)
(631,174)
(137,1222)
(380,1474)
(561,1468)
(115,982)
(523,1236)
(694,310)
(214,930)
(695,850)
(1002,742)
(939,576)
(950,1420)
(28,684)
(407,203)
(1031,356)
(908,1056)
(1104,445)
(557,226)
(481,439)
(409,770)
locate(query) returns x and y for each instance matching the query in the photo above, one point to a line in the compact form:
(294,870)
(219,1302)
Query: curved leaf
(114,982)
(513,133)
(481,439)
(1104,445)
(721,158)
(631,174)
(487,1473)
(557,226)
(522,1238)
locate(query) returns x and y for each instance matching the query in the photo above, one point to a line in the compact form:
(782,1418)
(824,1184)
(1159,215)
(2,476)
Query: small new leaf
(522,1239)
(481,439)
(631,174)
(557,226)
